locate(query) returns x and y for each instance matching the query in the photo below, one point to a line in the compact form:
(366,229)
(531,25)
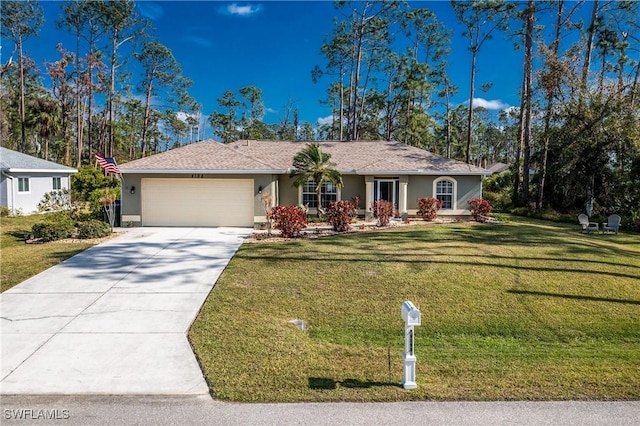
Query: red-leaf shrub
(428,208)
(340,213)
(383,210)
(480,209)
(290,220)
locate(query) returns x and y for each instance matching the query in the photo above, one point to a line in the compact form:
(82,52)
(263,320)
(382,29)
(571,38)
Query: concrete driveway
(113,319)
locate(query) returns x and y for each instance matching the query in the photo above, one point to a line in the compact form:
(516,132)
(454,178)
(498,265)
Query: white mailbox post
(411,317)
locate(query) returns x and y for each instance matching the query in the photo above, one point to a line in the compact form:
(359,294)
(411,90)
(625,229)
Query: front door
(387,189)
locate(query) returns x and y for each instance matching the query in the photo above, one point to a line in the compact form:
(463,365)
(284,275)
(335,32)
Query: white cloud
(495,104)
(182,116)
(324,120)
(241,10)
(270,110)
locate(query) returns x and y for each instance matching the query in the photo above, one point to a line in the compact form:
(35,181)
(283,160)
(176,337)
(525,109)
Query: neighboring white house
(25,179)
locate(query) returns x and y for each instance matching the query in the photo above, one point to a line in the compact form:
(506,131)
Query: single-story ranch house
(25,179)
(213,184)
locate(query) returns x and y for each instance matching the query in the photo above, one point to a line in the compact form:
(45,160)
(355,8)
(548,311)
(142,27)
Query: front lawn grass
(527,310)
(19,261)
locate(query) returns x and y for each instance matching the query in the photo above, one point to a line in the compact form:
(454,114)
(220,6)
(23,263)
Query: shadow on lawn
(310,256)
(325,383)
(505,235)
(573,296)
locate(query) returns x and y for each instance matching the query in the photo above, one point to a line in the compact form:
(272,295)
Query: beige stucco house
(213,184)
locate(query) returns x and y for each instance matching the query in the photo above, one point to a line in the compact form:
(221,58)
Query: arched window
(444,189)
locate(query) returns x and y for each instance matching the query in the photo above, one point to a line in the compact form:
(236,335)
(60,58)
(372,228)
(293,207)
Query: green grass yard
(528,310)
(19,261)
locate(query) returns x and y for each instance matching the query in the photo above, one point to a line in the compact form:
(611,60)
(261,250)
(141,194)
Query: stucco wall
(288,193)
(467,187)
(4,190)
(353,185)
(131,204)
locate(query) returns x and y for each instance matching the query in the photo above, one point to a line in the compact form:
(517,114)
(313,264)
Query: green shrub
(480,209)
(87,180)
(428,208)
(98,198)
(52,230)
(93,229)
(382,210)
(340,213)
(498,182)
(290,220)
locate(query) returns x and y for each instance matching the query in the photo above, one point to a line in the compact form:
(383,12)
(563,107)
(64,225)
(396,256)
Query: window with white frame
(23,184)
(57,183)
(328,193)
(445,192)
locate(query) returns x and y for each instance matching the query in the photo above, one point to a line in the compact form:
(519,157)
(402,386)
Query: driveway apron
(113,319)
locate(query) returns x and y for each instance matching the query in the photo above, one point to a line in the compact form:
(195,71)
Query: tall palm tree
(313,164)
(46,116)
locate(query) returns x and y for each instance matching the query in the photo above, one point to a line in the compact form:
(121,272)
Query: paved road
(201,410)
(113,319)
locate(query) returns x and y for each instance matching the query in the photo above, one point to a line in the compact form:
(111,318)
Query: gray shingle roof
(201,156)
(16,161)
(357,157)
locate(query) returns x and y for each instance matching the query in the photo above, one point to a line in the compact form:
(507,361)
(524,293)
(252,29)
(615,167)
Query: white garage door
(197,202)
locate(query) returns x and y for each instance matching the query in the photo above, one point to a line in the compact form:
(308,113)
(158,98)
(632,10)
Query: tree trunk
(549,110)
(112,91)
(341,112)
(318,199)
(145,124)
(516,198)
(590,37)
(448,115)
(354,94)
(22,147)
(528,104)
(470,113)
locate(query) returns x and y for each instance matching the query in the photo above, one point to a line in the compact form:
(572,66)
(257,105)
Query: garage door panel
(197,202)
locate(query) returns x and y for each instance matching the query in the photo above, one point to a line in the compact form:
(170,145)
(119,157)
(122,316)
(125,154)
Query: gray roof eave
(61,171)
(287,171)
(424,172)
(201,171)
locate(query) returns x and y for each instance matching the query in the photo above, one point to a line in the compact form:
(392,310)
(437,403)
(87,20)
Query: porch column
(402,197)
(273,190)
(368,195)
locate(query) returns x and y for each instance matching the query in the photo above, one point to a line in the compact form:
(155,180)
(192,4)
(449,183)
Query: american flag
(108,163)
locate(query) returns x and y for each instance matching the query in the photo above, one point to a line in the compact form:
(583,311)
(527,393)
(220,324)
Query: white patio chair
(613,224)
(587,226)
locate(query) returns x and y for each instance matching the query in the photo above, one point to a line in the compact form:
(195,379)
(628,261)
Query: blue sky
(274,45)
